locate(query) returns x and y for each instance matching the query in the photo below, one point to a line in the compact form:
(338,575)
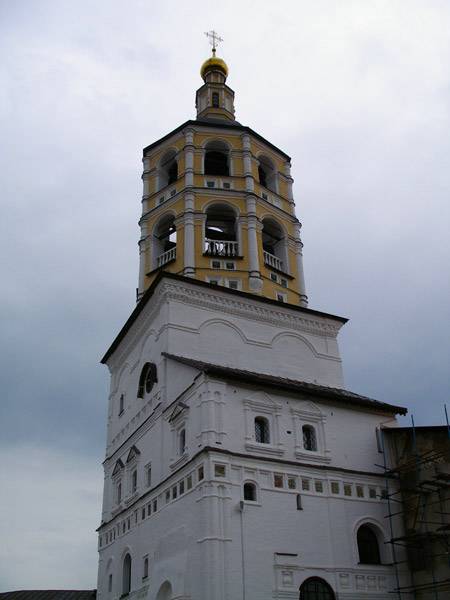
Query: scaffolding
(418,492)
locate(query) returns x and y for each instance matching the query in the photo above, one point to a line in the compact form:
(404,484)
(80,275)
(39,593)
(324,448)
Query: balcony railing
(166,257)
(273,261)
(221,248)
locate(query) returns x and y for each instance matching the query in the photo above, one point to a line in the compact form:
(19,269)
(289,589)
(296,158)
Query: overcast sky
(357,93)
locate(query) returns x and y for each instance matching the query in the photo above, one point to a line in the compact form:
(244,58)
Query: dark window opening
(316,589)
(262,432)
(126,575)
(368,549)
(147,379)
(250,492)
(262,176)
(216,161)
(309,438)
(215,99)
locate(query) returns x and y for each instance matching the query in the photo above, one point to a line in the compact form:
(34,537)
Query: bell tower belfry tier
(218,204)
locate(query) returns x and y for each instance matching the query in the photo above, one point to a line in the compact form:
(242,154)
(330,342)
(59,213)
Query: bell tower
(218,203)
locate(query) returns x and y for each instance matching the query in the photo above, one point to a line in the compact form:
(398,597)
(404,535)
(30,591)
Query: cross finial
(214,39)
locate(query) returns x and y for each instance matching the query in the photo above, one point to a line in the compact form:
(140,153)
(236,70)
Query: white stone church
(238,466)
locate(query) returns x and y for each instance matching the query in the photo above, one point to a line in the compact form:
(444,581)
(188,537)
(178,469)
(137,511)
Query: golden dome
(214,63)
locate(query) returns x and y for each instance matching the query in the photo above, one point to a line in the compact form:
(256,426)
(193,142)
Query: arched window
(164,241)
(168,169)
(309,438)
(220,231)
(147,379)
(368,548)
(215,99)
(274,245)
(267,173)
(126,575)
(110,583)
(262,431)
(249,491)
(181,441)
(217,159)
(315,588)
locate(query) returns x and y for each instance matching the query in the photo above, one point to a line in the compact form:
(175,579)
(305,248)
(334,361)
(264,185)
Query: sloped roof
(49,595)
(291,385)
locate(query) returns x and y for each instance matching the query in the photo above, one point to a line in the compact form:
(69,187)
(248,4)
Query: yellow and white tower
(237,465)
(218,202)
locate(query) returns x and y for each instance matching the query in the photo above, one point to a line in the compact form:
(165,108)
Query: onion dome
(214,64)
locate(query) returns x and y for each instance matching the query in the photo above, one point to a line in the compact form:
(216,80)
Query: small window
(281,297)
(149,509)
(145,575)
(124,525)
(278,480)
(172,193)
(309,438)
(318,485)
(121,404)
(273,277)
(110,583)
(200,473)
(284,283)
(230,266)
(262,432)
(249,492)
(215,99)
(134,481)
(368,549)
(147,379)
(119,493)
(264,195)
(214,281)
(299,502)
(189,482)
(155,505)
(182,442)
(149,476)
(161,200)
(347,489)
(360,491)
(226,185)
(135,517)
(167,496)
(305,485)
(384,494)
(233,284)
(216,264)
(174,492)
(211,184)
(182,487)
(143,513)
(372,493)
(128,523)
(219,471)
(335,487)
(292,483)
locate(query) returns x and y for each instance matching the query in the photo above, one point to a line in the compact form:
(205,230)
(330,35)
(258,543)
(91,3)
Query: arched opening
(368,547)
(147,379)
(215,99)
(249,491)
(126,575)
(165,592)
(220,231)
(165,241)
(274,245)
(168,169)
(262,430)
(309,438)
(145,573)
(217,159)
(267,174)
(315,588)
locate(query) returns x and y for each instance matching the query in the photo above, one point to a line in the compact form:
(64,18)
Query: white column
(287,172)
(189,157)
(247,156)
(255,281)
(189,235)
(300,272)
(142,257)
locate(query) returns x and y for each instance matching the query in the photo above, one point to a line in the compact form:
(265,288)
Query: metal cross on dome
(214,39)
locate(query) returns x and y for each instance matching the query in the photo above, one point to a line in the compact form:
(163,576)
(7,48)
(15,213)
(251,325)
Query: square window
(372,493)
(155,505)
(181,487)
(230,266)
(360,491)
(292,483)
(174,492)
(211,184)
(264,195)
(167,496)
(278,480)
(305,484)
(281,298)
(226,185)
(273,277)
(318,485)
(173,192)
(214,281)
(284,283)
(233,285)
(200,473)
(335,487)
(347,489)
(216,264)
(189,482)
(219,471)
